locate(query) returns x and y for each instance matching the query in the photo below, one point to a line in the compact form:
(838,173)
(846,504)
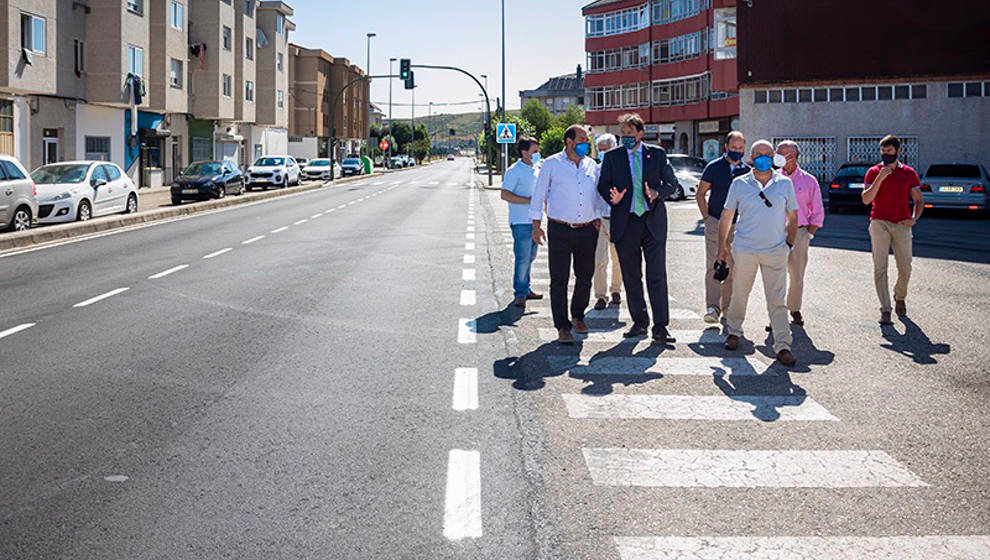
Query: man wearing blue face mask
(635,181)
(517,188)
(566,185)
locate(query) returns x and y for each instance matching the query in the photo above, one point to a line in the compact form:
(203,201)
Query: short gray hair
(790,143)
(607,137)
(758,143)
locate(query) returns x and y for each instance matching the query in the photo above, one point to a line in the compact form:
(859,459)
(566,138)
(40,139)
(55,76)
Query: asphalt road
(347,381)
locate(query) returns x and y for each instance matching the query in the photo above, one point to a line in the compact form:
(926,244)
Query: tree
(375,131)
(421,148)
(490,147)
(402,133)
(573,115)
(538,115)
(552,142)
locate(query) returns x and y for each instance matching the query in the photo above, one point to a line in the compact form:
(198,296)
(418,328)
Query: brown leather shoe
(797,319)
(519,301)
(534,295)
(600,304)
(731,342)
(580,326)
(564,336)
(900,307)
(785,357)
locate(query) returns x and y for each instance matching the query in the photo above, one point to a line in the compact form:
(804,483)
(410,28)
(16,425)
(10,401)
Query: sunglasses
(766,200)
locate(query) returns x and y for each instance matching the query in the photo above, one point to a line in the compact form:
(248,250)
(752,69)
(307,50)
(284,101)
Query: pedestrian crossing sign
(505,133)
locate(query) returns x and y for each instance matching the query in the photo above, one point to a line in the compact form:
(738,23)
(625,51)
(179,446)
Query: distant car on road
(273,171)
(846,188)
(956,185)
(688,170)
(319,170)
(450,157)
(207,179)
(18,197)
(397,162)
(81,190)
(351,166)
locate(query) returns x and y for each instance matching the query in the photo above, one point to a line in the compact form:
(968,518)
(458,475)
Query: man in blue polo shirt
(517,189)
(717,177)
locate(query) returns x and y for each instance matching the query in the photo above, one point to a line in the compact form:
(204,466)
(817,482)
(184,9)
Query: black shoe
(534,295)
(634,332)
(662,336)
(601,304)
(616,299)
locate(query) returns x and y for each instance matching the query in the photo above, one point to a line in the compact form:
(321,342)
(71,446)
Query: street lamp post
(367,109)
(505,147)
(390,135)
(412,142)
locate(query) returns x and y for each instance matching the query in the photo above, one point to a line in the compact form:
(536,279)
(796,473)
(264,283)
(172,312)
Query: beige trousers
(716,294)
(773,268)
(883,235)
(602,251)
(797,262)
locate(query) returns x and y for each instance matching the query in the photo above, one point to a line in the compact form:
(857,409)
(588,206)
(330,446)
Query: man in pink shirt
(811,216)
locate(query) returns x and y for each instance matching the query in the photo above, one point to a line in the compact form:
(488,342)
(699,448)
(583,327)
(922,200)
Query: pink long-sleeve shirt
(809,198)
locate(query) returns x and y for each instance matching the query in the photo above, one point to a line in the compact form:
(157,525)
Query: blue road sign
(505,133)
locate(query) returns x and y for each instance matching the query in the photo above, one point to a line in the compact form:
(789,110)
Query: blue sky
(543,38)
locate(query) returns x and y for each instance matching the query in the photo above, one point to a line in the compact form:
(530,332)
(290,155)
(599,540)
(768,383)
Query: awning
(149,120)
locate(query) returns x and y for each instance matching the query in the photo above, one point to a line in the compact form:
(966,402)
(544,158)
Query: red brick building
(671,61)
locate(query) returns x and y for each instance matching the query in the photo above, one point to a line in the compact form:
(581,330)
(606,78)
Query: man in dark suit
(635,179)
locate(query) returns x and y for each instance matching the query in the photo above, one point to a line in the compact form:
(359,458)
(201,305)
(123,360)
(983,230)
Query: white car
(273,171)
(320,170)
(80,190)
(688,170)
(18,199)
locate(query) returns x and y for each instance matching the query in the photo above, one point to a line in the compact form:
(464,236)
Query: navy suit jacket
(657,173)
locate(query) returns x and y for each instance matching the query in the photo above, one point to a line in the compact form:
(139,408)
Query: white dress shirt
(570,191)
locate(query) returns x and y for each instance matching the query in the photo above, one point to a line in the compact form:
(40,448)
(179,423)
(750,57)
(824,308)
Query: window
(79,50)
(852,94)
(614,23)
(33,33)
(835,94)
(902,92)
(227,2)
(666,11)
(279,23)
(98,148)
(919,91)
(177,17)
(249,90)
(885,93)
(775,96)
(136,6)
(175,73)
(249,8)
(13,172)
(112,172)
(955,90)
(820,94)
(790,96)
(681,47)
(278,62)
(226,38)
(202,149)
(759,96)
(99,173)
(249,48)
(869,93)
(135,60)
(228,85)
(804,95)
(281,98)
(973,89)
(725,33)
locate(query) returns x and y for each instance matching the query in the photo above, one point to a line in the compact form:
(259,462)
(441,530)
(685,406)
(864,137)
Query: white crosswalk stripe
(613,336)
(689,407)
(641,365)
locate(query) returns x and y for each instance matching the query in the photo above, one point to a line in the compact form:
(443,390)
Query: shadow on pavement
(767,392)
(914,343)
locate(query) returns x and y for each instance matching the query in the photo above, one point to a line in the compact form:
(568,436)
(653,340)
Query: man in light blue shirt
(517,189)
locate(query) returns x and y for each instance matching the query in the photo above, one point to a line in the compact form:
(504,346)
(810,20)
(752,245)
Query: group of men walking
(758,218)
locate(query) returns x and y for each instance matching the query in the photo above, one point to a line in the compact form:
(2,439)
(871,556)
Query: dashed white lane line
(341,206)
(217,253)
(747,468)
(17,329)
(252,240)
(101,297)
(694,407)
(465,331)
(470,228)
(468,297)
(165,273)
(468,274)
(469,246)
(468,236)
(950,547)
(303,221)
(352,202)
(469,259)
(280,230)
(462,503)
(465,389)
(315,216)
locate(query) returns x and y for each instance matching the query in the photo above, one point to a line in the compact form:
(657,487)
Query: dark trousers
(637,242)
(563,244)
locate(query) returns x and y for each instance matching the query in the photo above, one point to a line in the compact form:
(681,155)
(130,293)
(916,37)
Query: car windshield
(351,161)
(852,172)
(204,168)
(269,161)
(686,162)
(953,170)
(320,163)
(66,173)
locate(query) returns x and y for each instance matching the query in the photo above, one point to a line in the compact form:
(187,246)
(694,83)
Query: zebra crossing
(695,361)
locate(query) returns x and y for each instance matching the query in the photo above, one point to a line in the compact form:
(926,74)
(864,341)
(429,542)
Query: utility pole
(367,109)
(412,143)
(391,141)
(429,124)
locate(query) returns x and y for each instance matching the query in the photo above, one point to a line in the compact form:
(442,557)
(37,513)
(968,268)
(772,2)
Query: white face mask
(779,160)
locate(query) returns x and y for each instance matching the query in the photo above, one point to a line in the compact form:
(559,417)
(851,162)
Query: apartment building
(671,61)
(270,133)
(558,93)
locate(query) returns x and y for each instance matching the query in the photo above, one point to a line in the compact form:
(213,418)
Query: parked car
(207,179)
(81,190)
(352,166)
(320,170)
(18,196)
(450,157)
(273,171)
(397,162)
(688,170)
(956,185)
(846,189)
(301,161)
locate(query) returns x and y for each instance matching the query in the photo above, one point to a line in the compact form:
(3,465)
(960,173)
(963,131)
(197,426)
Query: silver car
(18,197)
(956,185)
(688,170)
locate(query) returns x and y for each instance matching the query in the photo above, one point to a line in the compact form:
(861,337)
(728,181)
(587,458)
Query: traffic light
(411,80)
(404,69)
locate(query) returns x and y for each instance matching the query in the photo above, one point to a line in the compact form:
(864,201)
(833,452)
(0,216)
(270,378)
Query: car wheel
(241,190)
(85,212)
(221,191)
(679,193)
(132,204)
(21,220)
(176,201)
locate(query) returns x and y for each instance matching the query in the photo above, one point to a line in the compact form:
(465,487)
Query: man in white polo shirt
(764,235)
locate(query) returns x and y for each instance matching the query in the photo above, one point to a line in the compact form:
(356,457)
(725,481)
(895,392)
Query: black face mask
(888,158)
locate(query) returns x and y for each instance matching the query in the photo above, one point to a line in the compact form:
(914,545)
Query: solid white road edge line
(462,503)
(101,297)
(16,329)
(217,253)
(465,389)
(165,273)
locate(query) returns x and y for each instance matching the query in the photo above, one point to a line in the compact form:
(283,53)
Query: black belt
(573,226)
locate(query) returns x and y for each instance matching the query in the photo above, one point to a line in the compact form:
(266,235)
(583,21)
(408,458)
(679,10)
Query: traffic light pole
(488,107)
(333,109)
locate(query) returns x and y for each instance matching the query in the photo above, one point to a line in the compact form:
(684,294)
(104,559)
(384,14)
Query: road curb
(32,237)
